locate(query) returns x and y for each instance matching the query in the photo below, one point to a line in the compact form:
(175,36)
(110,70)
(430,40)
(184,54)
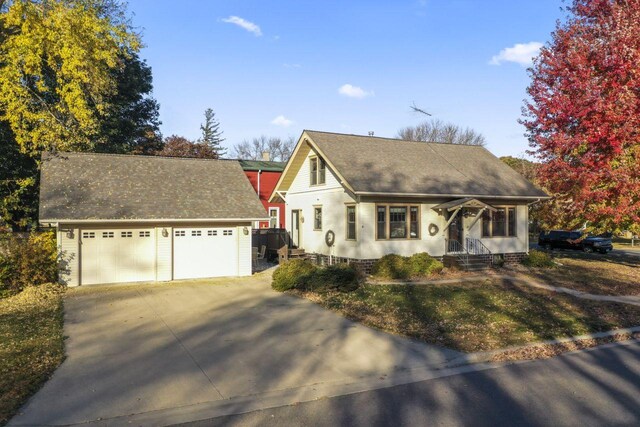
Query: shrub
(28,261)
(292,273)
(391,266)
(423,264)
(341,277)
(538,259)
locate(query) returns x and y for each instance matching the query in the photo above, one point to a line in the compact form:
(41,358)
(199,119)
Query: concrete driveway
(154,347)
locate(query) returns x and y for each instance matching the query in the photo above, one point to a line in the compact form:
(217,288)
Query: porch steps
(475,262)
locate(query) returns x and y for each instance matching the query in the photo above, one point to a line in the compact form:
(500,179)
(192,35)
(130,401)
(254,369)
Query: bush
(399,267)
(30,261)
(291,274)
(538,259)
(341,277)
(423,264)
(391,266)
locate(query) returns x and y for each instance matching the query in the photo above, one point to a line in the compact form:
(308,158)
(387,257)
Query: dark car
(577,240)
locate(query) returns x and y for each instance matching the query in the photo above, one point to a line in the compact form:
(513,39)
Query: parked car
(577,240)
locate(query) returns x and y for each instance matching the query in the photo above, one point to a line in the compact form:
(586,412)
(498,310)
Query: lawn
(478,316)
(611,274)
(31,344)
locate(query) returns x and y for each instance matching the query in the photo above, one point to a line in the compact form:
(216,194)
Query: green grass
(31,344)
(477,316)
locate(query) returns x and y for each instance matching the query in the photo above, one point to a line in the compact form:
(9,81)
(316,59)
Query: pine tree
(211,133)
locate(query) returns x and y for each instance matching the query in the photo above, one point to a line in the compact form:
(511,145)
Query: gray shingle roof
(85,186)
(385,165)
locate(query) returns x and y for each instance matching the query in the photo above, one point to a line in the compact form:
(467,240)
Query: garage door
(116,256)
(204,252)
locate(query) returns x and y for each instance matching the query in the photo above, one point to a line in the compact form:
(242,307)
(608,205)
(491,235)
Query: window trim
(314,217)
(277,217)
(506,223)
(355,222)
(408,221)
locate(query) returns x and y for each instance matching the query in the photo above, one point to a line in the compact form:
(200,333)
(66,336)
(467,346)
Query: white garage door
(204,252)
(117,255)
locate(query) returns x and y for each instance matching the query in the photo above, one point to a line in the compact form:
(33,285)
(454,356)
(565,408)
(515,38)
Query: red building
(264,176)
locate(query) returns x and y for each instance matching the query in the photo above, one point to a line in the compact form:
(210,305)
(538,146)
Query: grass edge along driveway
(31,344)
(476,316)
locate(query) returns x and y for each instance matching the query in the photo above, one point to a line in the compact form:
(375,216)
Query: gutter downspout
(259,173)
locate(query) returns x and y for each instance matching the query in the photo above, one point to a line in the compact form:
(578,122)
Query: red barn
(264,176)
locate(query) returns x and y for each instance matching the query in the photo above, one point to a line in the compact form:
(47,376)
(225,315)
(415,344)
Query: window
(414,219)
(179,233)
(313,170)
(88,235)
(227,232)
(322,168)
(126,234)
(212,232)
(381,229)
(196,233)
(317,218)
(397,222)
(274,213)
(317,171)
(107,234)
(501,223)
(145,234)
(351,223)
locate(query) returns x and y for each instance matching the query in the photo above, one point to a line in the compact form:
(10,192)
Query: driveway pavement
(156,347)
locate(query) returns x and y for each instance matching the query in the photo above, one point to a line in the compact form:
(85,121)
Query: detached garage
(123,218)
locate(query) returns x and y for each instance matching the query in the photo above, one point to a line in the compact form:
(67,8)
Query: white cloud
(520,53)
(287,65)
(243,23)
(282,121)
(353,91)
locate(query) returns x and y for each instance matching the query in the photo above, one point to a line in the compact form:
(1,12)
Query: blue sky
(278,67)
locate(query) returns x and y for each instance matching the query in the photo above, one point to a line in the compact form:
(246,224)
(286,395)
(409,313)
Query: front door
(295,228)
(455,228)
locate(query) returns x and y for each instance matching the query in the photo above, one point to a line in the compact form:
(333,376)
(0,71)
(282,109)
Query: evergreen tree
(211,133)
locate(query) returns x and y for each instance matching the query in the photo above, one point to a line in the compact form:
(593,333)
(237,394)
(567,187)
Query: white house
(123,218)
(379,196)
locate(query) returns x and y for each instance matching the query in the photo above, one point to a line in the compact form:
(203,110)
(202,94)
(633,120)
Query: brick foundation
(514,258)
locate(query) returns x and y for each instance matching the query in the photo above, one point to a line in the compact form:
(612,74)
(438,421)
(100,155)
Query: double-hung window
(351,222)
(397,222)
(500,223)
(317,217)
(317,171)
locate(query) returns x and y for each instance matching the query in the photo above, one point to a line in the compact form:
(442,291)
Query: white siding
(164,248)
(367,247)
(302,181)
(244,251)
(69,249)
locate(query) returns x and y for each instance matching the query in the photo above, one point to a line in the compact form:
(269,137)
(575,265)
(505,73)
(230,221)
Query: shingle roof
(263,165)
(84,186)
(393,166)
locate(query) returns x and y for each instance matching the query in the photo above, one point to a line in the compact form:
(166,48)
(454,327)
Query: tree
(435,130)
(70,79)
(179,146)
(211,133)
(583,116)
(131,123)
(56,76)
(278,149)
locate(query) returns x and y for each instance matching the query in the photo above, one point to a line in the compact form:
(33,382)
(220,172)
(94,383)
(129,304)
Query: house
(376,196)
(263,175)
(122,218)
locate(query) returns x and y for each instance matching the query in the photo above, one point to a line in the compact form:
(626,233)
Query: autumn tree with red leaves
(583,116)
(179,146)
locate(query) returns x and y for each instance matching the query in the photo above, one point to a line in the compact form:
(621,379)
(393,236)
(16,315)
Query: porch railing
(476,247)
(453,247)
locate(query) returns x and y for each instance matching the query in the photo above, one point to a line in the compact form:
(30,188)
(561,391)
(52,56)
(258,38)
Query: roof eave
(147,220)
(475,196)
